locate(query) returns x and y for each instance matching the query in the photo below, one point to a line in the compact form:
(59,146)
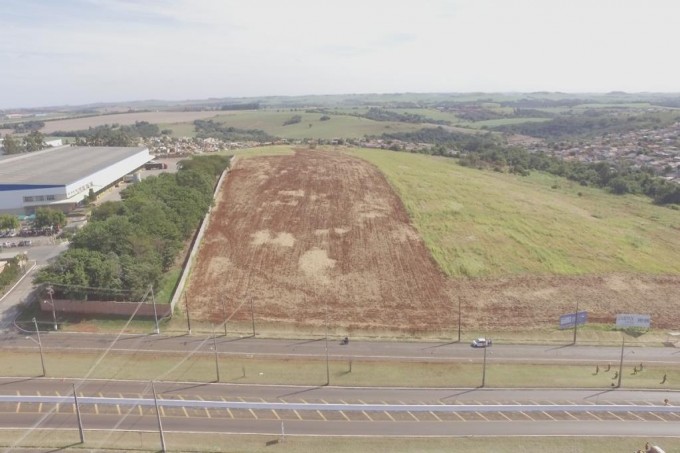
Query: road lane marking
(660,418)
(593,415)
(570,414)
(436,416)
(343,414)
(319,412)
(390,416)
(615,415)
(18,407)
(230,414)
(459,416)
(367,416)
(485,419)
(506,417)
(414,417)
(298,415)
(118,408)
(549,416)
(253,413)
(636,415)
(207,412)
(276,414)
(96,409)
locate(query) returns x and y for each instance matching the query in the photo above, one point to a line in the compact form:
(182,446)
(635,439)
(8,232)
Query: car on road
(481,343)
(25,243)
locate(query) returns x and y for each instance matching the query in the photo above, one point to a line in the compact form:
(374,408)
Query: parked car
(481,343)
(25,243)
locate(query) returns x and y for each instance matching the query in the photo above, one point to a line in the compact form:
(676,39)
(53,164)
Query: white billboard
(633,320)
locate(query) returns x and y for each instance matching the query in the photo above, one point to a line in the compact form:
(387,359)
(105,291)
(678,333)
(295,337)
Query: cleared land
(166,118)
(295,234)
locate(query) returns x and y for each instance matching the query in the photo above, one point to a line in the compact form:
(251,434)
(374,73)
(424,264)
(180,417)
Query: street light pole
(484,368)
(459,321)
(328,372)
(575,321)
(224,313)
(155,313)
(252,315)
(42,360)
(158,416)
(217,363)
(50,292)
(623,342)
(80,420)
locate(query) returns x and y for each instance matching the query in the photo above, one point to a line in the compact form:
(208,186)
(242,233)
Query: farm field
(339,126)
(296,234)
(165,117)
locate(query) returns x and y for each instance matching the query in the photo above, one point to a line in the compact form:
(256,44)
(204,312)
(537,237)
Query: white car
(481,343)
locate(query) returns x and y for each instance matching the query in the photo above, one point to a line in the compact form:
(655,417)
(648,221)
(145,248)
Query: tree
(35,141)
(46,218)
(8,222)
(12,145)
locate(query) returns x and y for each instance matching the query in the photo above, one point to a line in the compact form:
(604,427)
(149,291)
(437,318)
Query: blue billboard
(567,321)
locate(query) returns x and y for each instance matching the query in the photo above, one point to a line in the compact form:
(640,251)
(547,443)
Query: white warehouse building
(62,177)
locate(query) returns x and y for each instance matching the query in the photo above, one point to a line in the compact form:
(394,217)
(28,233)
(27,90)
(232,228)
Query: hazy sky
(81,51)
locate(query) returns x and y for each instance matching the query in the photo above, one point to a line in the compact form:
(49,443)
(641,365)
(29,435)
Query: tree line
(113,135)
(210,128)
(485,151)
(35,141)
(128,245)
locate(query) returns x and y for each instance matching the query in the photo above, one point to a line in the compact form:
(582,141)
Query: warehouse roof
(60,166)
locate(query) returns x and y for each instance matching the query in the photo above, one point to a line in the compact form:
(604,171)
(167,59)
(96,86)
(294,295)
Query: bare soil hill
(297,233)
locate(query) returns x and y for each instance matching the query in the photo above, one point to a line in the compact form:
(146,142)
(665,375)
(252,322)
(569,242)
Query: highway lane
(361,350)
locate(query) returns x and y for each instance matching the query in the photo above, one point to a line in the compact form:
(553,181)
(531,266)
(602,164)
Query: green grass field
(148,441)
(271,121)
(343,372)
(483,223)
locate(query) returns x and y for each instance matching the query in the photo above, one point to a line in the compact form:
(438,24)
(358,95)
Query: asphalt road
(366,350)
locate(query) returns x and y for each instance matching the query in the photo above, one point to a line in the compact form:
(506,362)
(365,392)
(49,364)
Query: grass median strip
(201,368)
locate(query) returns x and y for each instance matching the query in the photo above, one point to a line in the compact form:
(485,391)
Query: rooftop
(60,166)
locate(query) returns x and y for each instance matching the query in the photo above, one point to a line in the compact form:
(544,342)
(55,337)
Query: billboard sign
(625,320)
(567,321)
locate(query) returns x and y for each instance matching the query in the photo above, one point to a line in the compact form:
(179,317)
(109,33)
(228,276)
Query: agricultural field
(313,233)
(165,117)
(294,233)
(310,125)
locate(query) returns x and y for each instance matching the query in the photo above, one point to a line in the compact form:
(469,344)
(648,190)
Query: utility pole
(575,321)
(623,342)
(186,306)
(224,313)
(155,313)
(50,292)
(252,315)
(80,420)
(484,368)
(459,319)
(42,359)
(217,363)
(328,372)
(158,416)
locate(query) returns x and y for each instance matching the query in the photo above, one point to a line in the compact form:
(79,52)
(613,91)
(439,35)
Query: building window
(39,198)
(28,199)
(49,197)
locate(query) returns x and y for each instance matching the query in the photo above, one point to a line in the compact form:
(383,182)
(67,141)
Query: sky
(73,52)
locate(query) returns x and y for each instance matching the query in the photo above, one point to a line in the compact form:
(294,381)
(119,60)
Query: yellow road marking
(572,416)
(141,411)
(660,418)
(482,415)
(506,417)
(229,412)
(459,416)
(186,414)
(118,408)
(590,413)
(18,407)
(298,414)
(343,414)
(609,412)
(96,409)
(276,415)
(434,414)
(320,413)
(414,417)
(253,412)
(162,411)
(207,412)
(636,415)
(390,416)
(40,407)
(367,416)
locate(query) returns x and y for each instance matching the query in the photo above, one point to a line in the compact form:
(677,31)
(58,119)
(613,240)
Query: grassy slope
(480,223)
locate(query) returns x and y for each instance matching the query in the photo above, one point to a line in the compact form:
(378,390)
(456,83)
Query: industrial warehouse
(62,177)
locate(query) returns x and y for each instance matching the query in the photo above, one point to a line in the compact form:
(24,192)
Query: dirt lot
(297,233)
(124,119)
(294,233)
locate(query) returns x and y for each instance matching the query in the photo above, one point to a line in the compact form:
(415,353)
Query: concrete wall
(98,307)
